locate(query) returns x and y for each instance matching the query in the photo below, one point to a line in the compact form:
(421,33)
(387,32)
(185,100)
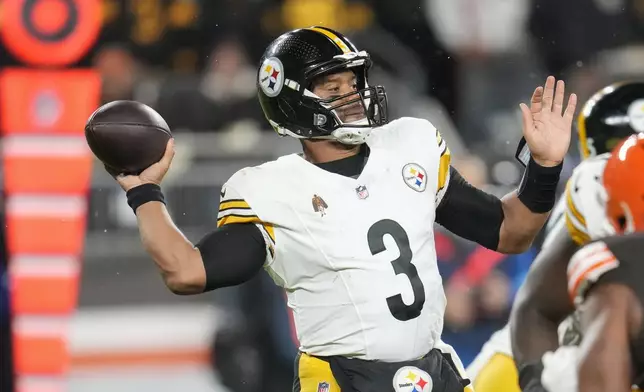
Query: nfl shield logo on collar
(323,387)
(362,192)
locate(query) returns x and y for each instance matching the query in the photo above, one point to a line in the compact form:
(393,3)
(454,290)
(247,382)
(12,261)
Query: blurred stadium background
(463,64)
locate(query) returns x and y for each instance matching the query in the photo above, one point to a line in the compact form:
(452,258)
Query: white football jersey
(582,209)
(356,256)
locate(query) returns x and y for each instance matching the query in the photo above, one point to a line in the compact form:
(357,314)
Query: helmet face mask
(291,65)
(361,109)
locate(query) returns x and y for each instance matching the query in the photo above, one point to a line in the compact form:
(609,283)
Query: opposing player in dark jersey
(603,282)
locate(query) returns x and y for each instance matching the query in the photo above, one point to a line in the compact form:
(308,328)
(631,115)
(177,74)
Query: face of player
(342,84)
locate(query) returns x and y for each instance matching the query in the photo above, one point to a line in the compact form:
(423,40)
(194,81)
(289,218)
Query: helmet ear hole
(621,222)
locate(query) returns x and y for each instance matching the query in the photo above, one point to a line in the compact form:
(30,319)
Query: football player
(603,281)
(609,116)
(346,227)
(539,306)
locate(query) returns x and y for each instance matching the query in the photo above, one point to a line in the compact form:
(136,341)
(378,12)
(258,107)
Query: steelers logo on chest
(415,177)
(271,76)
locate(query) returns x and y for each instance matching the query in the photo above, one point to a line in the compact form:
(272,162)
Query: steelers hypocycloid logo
(271,76)
(412,379)
(415,177)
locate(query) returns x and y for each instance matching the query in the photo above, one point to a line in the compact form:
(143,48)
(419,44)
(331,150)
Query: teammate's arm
(610,315)
(227,256)
(506,225)
(541,305)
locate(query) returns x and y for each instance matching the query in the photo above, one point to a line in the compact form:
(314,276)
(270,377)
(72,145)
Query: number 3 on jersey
(402,265)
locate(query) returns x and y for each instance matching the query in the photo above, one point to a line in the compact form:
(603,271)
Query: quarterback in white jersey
(581,209)
(346,227)
(609,115)
(330,223)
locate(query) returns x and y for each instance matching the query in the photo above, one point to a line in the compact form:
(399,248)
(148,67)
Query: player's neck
(322,151)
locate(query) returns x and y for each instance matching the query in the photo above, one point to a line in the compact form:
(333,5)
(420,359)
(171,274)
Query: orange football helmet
(624,184)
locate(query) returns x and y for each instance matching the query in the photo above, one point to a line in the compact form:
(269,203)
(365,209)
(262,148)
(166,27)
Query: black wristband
(530,377)
(538,187)
(142,194)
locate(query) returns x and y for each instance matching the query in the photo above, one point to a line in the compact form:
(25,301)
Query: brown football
(127,136)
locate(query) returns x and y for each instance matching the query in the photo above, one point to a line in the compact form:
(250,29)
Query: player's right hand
(153,174)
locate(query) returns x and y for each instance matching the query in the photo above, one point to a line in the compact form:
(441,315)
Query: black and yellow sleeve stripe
(579,236)
(235,211)
(444,162)
(575,221)
(238,211)
(571,207)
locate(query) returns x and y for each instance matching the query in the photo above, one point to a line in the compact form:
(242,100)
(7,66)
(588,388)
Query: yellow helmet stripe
(583,139)
(336,40)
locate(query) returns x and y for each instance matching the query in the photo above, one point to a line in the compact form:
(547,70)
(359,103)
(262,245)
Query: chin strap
(349,135)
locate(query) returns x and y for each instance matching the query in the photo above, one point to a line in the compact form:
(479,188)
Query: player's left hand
(546,130)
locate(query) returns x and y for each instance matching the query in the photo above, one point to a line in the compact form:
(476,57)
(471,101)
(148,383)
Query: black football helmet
(613,113)
(289,66)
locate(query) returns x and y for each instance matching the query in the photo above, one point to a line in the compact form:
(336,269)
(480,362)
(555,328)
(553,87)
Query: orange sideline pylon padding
(47,102)
(45,225)
(44,285)
(60,165)
(40,355)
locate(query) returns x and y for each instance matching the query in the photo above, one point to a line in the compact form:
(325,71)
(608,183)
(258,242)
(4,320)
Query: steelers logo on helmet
(412,379)
(271,76)
(636,115)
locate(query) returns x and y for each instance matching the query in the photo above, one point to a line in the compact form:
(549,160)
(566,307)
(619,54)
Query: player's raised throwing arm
(225,257)
(509,225)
